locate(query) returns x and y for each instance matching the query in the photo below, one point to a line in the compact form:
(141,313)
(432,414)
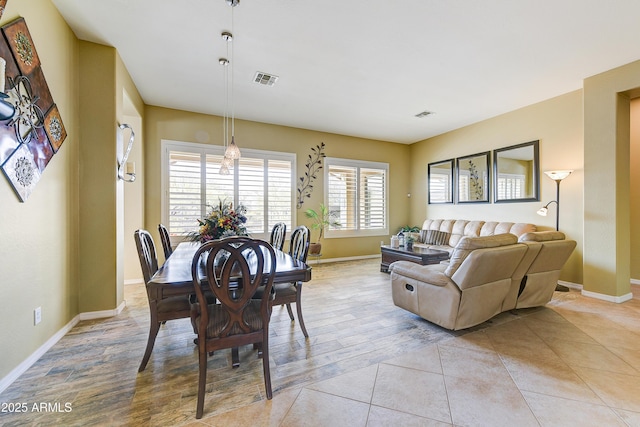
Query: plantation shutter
(372,199)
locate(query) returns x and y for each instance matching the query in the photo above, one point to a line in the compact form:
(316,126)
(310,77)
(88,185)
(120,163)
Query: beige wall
(39,250)
(635,189)
(161,123)
(607,208)
(557,123)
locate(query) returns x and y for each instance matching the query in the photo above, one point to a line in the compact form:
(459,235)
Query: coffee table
(419,255)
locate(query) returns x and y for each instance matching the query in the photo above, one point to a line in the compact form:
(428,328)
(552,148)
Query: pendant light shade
(232,152)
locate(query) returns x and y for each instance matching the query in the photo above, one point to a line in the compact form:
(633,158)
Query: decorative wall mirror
(473,178)
(516,173)
(440,181)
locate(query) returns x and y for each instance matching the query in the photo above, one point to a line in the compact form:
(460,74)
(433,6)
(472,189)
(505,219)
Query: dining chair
(234,268)
(278,233)
(161,308)
(288,293)
(166,242)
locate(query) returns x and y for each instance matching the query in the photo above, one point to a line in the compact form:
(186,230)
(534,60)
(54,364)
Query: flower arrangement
(222,221)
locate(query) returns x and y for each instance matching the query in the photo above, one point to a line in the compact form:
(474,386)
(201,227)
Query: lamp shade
(232,152)
(558,175)
(543,211)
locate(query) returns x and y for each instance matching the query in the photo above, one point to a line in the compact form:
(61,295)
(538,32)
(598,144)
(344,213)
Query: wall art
(31,127)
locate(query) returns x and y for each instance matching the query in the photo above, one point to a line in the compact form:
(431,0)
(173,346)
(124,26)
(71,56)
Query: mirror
(440,182)
(473,178)
(516,172)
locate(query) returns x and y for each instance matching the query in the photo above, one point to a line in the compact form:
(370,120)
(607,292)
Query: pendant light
(232,152)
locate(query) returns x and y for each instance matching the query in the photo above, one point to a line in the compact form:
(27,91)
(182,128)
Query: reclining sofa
(485,276)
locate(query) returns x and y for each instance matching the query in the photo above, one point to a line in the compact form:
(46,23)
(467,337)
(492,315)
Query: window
(356,194)
(511,186)
(260,180)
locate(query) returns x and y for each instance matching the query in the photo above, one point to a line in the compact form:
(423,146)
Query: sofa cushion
(491,228)
(432,274)
(469,244)
(541,236)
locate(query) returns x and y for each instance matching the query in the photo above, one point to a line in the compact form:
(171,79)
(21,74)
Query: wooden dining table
(174,276)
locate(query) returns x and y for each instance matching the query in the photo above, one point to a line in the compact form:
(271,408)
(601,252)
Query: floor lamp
(557,176)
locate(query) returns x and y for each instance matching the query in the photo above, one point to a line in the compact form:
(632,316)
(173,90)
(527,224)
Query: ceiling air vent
(424,114)
(265,79)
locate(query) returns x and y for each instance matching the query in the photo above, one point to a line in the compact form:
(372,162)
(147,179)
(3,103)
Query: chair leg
(235,357)
(154,327)
(265,365)
(290,312)
(202,381)
(299,310)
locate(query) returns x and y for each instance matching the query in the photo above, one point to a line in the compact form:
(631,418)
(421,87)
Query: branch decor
(313,165)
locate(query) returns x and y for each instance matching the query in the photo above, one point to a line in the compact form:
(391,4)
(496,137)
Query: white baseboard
(570,285)
(103,313)
(33,358)
(635,281)
(312,260)
(610,298)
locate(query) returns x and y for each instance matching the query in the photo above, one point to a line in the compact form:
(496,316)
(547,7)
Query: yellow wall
(557,123)
(635,189)
(607,208)
(162,123)
(39,250)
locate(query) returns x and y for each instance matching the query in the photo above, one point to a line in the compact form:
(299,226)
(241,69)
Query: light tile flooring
(575,362)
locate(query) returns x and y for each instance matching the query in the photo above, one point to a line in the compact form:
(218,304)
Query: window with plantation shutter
(356,196)
(260,180)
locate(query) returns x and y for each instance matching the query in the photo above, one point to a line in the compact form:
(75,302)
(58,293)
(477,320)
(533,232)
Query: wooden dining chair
(288,293)
(166,241)
(161,308)
(278,234)
(234,269)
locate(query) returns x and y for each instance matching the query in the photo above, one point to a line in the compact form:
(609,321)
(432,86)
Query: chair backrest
(278,234)
(299,245)
(146,253)
(234,268)
(166,242)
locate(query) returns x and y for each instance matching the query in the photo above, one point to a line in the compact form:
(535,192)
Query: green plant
(410,229)
(322,219)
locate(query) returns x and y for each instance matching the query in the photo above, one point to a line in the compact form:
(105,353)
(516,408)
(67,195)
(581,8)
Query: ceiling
(363,68)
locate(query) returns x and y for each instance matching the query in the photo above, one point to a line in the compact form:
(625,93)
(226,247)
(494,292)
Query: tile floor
(576,363)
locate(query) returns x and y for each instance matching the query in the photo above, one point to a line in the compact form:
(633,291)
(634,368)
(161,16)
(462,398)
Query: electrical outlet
(37,315)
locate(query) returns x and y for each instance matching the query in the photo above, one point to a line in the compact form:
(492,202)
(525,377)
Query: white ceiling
(362,67)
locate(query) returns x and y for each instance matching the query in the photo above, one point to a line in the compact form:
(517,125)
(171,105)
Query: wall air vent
(265,79)
(424,114)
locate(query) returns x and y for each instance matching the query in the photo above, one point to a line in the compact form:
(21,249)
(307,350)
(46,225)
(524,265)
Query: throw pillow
(423,236)
(436,237)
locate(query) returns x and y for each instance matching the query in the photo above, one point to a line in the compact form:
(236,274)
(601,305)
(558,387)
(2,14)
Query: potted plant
(321,219)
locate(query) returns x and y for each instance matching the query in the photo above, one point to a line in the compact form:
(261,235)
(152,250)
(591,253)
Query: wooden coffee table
(419,255)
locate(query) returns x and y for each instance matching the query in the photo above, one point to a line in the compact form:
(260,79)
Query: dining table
(174,276)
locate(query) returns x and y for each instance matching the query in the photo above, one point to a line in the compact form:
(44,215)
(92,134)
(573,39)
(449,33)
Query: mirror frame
(535,173)
(451,186)
(483,158)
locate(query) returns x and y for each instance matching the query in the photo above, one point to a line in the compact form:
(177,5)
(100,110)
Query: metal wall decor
(31,128)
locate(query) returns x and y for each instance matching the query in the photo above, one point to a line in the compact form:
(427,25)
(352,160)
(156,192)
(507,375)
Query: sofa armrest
(432,274)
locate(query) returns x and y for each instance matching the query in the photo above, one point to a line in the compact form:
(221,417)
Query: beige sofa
(485,276)
(542,275)
(452,230)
